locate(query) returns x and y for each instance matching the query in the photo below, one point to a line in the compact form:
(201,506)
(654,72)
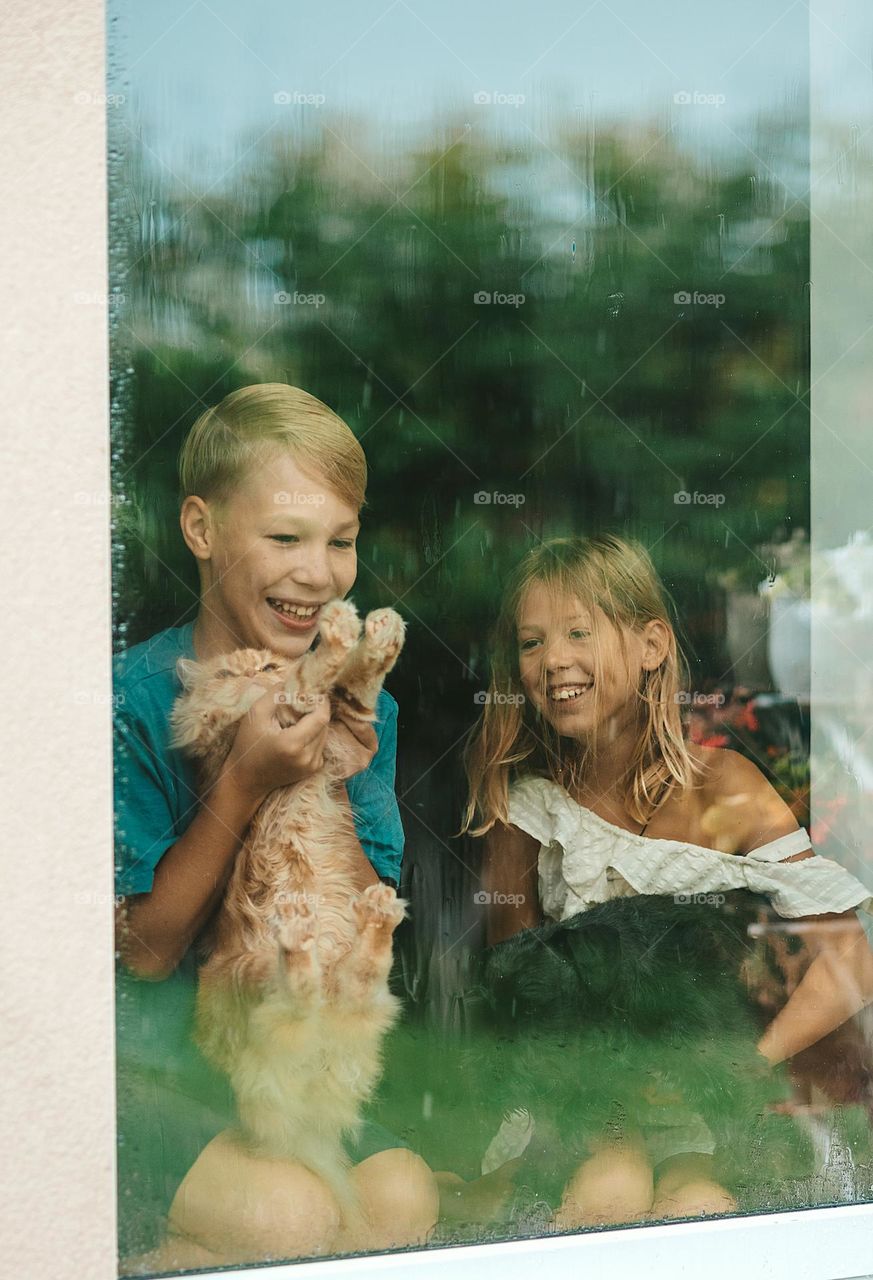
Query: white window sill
(810,1244)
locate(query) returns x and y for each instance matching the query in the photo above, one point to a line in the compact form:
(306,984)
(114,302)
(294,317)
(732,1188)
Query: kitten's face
(219,691)
(225,675)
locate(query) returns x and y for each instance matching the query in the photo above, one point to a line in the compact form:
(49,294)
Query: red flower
(747,718)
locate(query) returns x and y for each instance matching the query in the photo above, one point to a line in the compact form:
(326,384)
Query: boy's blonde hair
(511,738)
(249,423)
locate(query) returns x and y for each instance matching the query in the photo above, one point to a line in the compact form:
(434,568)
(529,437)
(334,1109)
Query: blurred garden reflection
(650,326)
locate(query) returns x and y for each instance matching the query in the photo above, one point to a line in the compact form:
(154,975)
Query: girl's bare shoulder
(719,769)
(736,797)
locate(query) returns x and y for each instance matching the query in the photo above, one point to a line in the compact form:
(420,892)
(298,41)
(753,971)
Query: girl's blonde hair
(511,738)
(249,423)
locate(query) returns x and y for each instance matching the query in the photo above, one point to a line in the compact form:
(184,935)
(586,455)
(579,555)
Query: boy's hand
(354,743)
(265,756)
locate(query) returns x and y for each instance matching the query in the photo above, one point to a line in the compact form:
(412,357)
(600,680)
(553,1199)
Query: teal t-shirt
(170,1101)
(155,785)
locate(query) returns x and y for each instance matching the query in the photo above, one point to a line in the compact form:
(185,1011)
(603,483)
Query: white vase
(788,645)
(747,631)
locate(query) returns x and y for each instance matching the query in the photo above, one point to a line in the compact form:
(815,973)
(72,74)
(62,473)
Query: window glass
(552,274)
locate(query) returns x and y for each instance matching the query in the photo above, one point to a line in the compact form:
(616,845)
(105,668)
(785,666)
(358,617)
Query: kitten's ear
(187,671)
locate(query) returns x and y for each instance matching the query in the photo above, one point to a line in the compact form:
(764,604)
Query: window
(179,319)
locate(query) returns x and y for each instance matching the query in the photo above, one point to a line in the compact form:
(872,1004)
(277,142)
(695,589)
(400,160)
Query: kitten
(293,1000)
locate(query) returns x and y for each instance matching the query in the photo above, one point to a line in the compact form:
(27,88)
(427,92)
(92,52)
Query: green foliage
(596,399)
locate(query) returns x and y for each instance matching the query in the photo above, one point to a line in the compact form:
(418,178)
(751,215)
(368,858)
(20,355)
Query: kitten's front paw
(384,630)
(379,908)
(339,630)
(340,625)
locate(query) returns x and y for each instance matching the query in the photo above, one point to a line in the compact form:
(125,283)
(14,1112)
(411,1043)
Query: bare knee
(399,1197)
(614,1185)
(248,1208)
(693,1199)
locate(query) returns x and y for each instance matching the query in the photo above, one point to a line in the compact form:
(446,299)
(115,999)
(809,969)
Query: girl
(586,790)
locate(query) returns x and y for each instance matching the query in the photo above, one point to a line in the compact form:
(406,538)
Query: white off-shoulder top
(584,859)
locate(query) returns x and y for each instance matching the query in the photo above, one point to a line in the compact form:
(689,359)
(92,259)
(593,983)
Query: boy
(272,482)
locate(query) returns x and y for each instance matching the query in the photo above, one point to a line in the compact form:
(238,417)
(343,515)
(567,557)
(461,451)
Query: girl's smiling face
(573,680)
(271,556)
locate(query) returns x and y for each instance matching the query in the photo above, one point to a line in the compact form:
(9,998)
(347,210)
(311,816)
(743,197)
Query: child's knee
(399,1194)
(247,1209)
(615,1185)
(693,1199)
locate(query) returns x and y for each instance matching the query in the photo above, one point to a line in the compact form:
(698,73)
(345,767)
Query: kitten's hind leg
(372,658)
(365,968)
(299,972)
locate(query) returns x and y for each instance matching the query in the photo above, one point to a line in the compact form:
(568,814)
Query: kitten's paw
(384,630)
(340,625)
(379,908)
(296,928)
(299,969)
(362,974)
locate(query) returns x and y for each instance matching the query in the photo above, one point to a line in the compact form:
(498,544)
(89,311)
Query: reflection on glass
(549,301)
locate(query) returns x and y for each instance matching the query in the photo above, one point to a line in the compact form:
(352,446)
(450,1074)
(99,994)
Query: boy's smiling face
(270,556)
